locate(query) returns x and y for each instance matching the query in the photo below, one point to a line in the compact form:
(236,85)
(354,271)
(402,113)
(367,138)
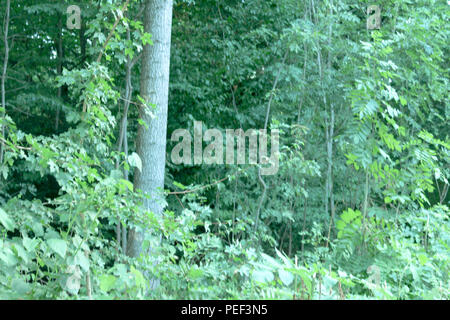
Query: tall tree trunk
(329,137)
(59,70)
(330,134)
(151,141)
(82,37)
(5,66)
(123,140)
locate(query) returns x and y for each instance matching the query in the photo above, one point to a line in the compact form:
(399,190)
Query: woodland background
(357,210)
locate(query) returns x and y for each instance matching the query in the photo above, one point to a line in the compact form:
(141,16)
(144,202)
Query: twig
(199,188)
(18,147)
(181,204)
(129,101)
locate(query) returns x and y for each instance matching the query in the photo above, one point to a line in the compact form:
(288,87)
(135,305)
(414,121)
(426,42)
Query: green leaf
(21,252)
(81,260)
(370,108)
(30,244)
(195,273)
(128,184)
(6,221)
(329,282)
(262,276)
(422,258)
(107,282)
(403,101)
(286,260)
(146,38)
(20,286)
(135,161)
(285,277)
(305,276)
(138,276)
(8,257)
(59,246)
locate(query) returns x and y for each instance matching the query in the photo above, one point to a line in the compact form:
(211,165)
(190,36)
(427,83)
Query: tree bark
(151,141)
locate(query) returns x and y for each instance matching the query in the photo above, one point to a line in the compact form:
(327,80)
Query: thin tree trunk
(59,70)
(330,191)
(304,226)
(121,235)
(302,99)
(125,150)
(82,43)
(329,127)
(365,208)
(266,121)
(290,240)
(151,141)
(5,67)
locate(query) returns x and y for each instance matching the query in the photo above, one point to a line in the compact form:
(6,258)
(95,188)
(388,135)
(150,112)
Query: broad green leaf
(107,282)
(59,246)
(81,260)
(20,286)
(262,276)
(135,161)
(8,257)
(6,221)
(139,277)
(21,252)
(127,183)
(286,277)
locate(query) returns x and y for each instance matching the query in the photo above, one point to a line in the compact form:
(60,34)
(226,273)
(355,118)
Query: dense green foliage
(357,210)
